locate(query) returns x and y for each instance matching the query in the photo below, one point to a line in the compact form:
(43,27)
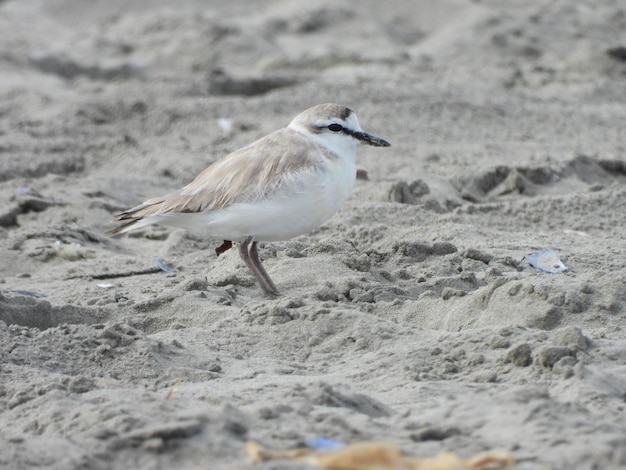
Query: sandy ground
(409,316)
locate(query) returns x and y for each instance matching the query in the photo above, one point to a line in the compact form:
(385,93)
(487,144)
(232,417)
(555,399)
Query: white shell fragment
(163,266)
(546,261)
(226,125)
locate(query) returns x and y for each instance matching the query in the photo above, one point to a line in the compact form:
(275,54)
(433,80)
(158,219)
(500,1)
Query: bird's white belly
(287,213)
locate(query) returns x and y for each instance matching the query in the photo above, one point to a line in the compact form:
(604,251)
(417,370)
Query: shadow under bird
(283,185)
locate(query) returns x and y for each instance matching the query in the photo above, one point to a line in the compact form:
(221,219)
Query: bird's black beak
(371,140)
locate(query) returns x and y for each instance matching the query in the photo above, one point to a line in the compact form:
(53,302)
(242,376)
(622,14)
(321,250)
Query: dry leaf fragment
(172,390)
(378,456)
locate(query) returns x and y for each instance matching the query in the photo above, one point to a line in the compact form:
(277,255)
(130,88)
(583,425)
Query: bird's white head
(335,127)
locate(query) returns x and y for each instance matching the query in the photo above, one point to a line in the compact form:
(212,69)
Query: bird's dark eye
(335,127)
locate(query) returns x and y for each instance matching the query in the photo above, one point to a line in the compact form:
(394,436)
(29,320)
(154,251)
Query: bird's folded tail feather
(136,217)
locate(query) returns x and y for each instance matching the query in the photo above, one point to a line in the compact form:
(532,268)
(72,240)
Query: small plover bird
(281,186)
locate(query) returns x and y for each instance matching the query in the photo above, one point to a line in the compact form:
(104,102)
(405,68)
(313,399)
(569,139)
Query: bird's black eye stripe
(335,127)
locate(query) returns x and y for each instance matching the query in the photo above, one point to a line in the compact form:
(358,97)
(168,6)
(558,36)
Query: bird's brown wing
(251,173)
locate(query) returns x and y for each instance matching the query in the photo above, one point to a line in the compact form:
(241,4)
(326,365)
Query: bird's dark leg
(227,245)
(270,288)
(250,255)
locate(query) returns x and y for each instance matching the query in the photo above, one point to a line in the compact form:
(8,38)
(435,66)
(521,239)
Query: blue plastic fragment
(546,261)
(28,293)
(164,266)
(323,444)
